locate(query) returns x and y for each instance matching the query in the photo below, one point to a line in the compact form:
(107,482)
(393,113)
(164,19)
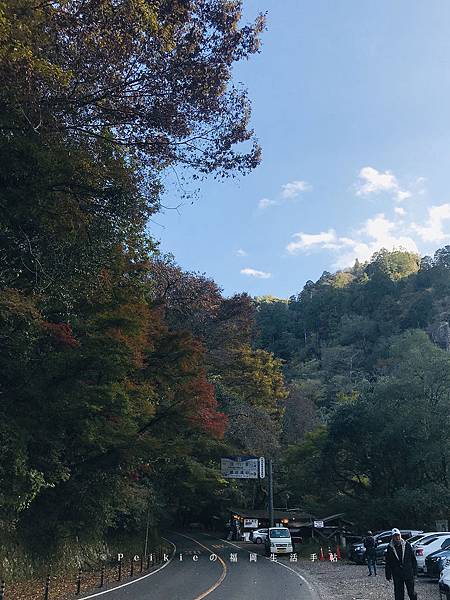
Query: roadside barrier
(144,562)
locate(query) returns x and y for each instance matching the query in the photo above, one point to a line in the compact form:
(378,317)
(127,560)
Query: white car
(279,541)
(444,581)
(416,538)
(259,536)
(427,545)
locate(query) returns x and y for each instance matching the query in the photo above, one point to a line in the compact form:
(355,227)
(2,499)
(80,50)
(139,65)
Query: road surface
(206,567)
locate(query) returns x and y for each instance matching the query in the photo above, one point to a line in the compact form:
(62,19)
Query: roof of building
(249,513)
(301,518)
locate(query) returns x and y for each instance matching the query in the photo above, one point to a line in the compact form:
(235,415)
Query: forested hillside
(367,364)
(123,379)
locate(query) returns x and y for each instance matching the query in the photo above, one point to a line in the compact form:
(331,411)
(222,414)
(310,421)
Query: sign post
(271,519)
(318,524)
(262,467)
(240,467)
(251,523)
(249,467)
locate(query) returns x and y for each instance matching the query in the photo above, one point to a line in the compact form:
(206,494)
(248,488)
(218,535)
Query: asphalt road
(227,575)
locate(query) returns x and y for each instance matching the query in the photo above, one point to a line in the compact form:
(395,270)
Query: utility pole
(271,520)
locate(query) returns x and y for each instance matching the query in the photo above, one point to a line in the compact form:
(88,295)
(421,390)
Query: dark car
(435,562)
(383,542)
(358,552)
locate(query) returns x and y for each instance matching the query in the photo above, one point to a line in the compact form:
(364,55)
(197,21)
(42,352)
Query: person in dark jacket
(401,566)
(371,553)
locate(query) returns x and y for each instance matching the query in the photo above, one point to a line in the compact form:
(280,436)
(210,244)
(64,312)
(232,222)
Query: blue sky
(351,104)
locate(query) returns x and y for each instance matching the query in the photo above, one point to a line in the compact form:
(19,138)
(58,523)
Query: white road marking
(308,585)
(221,578)
(118,587)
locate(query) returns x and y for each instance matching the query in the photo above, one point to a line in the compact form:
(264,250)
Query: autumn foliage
(119,369)
(205,413)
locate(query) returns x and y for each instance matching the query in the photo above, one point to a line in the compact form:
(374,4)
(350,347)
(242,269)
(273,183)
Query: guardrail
(136,564)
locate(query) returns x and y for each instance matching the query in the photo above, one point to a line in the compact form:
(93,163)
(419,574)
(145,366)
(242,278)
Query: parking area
(346,581)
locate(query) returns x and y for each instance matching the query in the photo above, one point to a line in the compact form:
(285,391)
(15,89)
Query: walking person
(401,566)
(371,554)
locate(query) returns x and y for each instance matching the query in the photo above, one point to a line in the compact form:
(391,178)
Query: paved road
(231,576)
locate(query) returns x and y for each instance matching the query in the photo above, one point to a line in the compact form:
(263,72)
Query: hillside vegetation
(366,358)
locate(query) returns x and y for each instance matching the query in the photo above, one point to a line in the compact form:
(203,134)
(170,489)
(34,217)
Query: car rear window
(445,543)
(427,541)
(414,538)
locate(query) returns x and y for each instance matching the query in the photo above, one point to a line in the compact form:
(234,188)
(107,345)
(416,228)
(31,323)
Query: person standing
(401,566)
(371,554)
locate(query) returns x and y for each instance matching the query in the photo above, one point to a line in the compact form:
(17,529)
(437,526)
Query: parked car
(384,540)
(444,581)
(434,562)
(355,551)
(259,536)
(358,552)
(278,541)
(415,540)
(427,545)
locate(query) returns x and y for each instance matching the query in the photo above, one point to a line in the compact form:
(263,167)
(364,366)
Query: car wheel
(258,540)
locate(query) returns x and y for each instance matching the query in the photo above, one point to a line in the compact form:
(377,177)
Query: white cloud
(306,241)
(254,273)
(294,188)
(382,233)
(288,191)
(376,233)
(376,182)
(403,195)
(241,252)
(433,231)
(400,211)
(265,203)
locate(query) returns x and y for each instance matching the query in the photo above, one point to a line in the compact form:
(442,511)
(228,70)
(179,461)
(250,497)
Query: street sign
(251,523)
(262,467)
(318,524)
(240,467)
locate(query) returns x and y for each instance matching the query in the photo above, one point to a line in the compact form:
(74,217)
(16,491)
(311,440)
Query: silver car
(259,536)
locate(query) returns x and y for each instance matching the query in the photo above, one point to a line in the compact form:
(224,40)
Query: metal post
(47,587)
(78,582)
(132,567)
(146,529)
(120,571)
(148,561)
(142,563)
(2,590)
(102,576)
(271,520)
